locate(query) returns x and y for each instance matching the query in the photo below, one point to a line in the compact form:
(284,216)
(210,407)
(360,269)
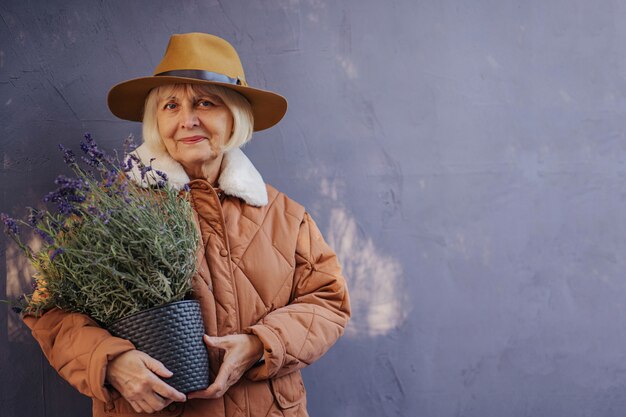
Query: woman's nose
(189,118)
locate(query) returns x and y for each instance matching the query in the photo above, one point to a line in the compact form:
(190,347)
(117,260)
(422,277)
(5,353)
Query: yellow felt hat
(197,58)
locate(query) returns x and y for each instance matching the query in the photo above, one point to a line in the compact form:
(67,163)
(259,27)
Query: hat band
(200,75)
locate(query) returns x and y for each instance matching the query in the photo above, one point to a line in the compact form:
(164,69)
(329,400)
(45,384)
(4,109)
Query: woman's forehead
(182,91)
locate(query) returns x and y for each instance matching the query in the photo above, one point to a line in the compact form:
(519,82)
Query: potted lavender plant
(123,254)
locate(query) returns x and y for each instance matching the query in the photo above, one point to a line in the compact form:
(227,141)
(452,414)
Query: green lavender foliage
(112,248)
(141,256)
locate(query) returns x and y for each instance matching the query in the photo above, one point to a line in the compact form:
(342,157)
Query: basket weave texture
(172,334)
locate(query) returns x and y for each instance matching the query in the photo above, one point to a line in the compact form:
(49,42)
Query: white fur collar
(238,178)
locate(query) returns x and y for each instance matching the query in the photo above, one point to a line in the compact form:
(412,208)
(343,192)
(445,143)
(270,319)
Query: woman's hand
(134,375)
(242,351)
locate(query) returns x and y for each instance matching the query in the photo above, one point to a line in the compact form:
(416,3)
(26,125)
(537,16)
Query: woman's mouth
(190,140)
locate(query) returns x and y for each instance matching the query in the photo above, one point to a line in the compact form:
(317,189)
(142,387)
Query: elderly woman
(271,291)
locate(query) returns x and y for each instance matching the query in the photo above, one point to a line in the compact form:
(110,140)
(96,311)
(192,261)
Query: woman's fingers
(219,386)
(217,342)
(242,351)
(156,366)
(134,374)
(160,387)
(155,402)
(147,407)
(140,406)
(168,393)
(135,406)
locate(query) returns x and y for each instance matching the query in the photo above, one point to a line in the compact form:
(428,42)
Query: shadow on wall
(19,273)
(377,296)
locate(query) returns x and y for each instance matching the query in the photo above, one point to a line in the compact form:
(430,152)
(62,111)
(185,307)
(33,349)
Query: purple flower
(122,190)
(70,191)
(67,208)
(186,187)
(109,178)
(56,253)
(10,224)
(94,156)
(144,171)
(128,164)
(105,216)
(71,184)
(45,236)
(68,155)
(35,216)
(129,144)
(161,174)
(97,214)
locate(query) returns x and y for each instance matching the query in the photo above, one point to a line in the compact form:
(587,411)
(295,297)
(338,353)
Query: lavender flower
(110,177)
(56,253)
(127,166)
(144,171)
(129,144)
(45,236)
(105,216)
(68,155)
(35,216)
(122,190)
(10,224)
(65,207)
(95,157)
(130,162)
(186,187)
(161,174)
(71,184)
(71,191)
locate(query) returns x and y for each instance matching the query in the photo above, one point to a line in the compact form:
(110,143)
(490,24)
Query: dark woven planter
(172,334)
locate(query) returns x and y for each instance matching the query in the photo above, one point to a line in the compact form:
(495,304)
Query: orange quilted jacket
(263,268)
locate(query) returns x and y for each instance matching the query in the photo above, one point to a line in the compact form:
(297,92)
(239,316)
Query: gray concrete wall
(467,160)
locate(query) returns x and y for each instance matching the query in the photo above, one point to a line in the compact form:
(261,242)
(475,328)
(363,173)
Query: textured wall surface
(466,159)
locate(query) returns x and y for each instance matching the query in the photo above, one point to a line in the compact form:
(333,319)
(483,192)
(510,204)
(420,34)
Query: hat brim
(126,100)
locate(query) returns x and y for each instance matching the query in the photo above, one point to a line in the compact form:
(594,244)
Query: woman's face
(194,129)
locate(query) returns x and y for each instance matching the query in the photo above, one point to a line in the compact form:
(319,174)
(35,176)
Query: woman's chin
(198,163)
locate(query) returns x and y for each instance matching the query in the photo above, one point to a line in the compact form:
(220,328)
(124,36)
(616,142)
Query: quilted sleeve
(301,332)
(78,349)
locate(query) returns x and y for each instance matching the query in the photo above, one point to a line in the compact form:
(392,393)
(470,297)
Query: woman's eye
(170,106)
(205,103)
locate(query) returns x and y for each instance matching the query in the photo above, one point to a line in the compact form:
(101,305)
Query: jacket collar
(238,178)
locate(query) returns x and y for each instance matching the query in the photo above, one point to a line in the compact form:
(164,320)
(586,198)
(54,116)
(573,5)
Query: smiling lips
(190,140)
